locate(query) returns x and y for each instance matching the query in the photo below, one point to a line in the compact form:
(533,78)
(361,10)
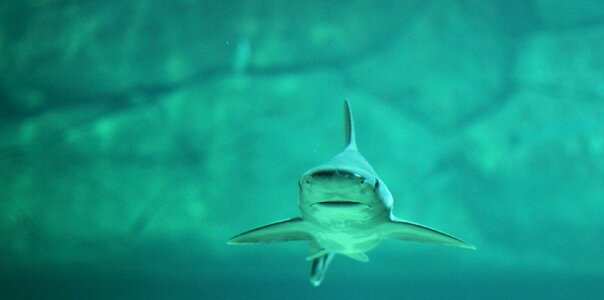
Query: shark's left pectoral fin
(294,229)
(316,254)
(362,257)
(409,231)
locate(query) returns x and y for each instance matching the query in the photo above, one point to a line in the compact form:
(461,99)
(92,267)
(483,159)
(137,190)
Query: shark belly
(345,229)
(346,242)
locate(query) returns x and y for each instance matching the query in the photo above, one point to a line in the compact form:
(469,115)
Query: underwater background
(137,137)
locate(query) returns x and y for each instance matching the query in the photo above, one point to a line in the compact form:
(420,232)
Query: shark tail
(350,134)
(319,268)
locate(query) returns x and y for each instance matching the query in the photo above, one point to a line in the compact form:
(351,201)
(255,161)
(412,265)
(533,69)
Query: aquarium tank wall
(138,137)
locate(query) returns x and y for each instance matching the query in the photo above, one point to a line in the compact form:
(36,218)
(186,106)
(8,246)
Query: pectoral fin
(408,231)
(294,229)
(316,254)
(362,257)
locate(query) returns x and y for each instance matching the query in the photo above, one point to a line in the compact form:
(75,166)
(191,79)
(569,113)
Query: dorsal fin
(349,126)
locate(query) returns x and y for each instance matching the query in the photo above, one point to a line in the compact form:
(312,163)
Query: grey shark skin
(345,209)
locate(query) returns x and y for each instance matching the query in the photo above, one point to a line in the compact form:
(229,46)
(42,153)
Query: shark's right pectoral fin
(294,229)
(409,231)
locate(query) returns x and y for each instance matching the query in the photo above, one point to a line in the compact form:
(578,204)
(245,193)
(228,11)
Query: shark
(346,209)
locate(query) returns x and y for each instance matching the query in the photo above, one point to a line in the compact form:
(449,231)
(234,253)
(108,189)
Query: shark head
(346,185)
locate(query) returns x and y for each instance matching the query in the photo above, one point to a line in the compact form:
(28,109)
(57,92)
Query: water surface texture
(137,137)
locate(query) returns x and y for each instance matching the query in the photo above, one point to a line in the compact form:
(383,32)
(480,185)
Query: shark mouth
(340,203)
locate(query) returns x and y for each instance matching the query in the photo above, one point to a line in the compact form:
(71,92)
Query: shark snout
(334,177)
(338,179)
(330,173)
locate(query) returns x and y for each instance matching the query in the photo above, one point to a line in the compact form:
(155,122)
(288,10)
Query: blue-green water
(137,138)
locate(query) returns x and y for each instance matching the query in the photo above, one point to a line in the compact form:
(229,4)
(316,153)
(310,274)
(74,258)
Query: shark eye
(304,181)
(376,186)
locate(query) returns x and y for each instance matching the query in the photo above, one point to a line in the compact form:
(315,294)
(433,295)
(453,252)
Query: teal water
(137,138)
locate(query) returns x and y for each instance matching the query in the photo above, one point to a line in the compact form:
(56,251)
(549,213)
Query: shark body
(345,209)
